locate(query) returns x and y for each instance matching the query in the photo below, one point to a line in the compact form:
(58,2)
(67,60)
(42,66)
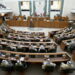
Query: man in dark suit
(71,47)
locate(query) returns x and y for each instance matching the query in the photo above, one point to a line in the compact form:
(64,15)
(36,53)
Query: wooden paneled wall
(61,18)
(17,23)
(38,22)
(50,24)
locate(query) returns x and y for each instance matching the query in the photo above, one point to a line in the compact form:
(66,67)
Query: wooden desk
(51,34)
(24,45)
(39,34)
(64,44)
(36,59)
(25,42)
(59,39)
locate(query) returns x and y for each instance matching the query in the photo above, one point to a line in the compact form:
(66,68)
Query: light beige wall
(68,6)
(12,4)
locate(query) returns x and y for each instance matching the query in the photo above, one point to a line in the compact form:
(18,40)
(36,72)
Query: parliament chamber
(37,37)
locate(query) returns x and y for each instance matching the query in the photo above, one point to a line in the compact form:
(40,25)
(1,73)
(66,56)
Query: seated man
(20,47)
(42,49)
(18,38)
(68,29)
(20,66)
(33,48)
(26,38)
(71,47)
(48,66)
(36,39)
(46,39)
(11,47)
(4,44)
(52,48)
(9,36)
(67,67)
(6,65)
